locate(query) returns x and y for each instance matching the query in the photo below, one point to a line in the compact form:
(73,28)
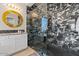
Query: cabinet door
(4,41)
(21,42)
(4,44)
(12,43)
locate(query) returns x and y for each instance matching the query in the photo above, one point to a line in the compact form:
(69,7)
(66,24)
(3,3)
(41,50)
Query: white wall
(22,11)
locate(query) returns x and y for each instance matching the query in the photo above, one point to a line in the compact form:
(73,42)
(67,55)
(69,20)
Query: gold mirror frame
(4,18)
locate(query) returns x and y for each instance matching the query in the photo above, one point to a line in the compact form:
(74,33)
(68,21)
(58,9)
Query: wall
(22,11)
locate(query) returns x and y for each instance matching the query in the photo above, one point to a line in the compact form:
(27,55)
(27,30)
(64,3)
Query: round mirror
(12,18)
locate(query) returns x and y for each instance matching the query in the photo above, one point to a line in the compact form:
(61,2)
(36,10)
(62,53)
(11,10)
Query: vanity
(10,44)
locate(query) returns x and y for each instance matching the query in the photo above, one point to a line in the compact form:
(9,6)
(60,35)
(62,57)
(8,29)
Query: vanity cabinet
(12,43)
